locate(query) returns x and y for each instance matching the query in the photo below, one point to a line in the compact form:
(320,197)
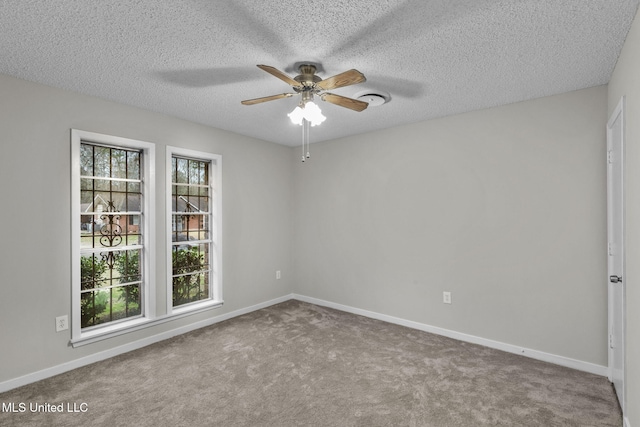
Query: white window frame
(215,279)
(149,225)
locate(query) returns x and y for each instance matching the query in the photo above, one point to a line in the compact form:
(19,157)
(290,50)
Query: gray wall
(35,283)
(625,82)
(504,207)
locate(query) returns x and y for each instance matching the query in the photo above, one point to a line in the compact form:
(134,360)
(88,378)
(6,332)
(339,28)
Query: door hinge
(609,156)
(611,341)
(610,249)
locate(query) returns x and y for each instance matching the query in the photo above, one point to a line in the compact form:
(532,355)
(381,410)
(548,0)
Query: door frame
(618,112)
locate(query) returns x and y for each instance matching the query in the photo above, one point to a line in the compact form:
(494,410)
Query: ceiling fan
(308,84)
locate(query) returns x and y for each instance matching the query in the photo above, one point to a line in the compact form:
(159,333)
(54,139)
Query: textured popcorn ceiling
(196,59)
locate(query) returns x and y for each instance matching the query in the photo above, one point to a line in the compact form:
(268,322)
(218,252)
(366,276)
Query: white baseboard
(83,361)
(77,363)
(534,354)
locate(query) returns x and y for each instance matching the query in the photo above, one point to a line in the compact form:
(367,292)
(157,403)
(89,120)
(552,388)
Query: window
(193,235)
(113,228)
(112,196)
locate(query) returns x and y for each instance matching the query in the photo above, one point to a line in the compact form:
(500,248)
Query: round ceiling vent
(373,98)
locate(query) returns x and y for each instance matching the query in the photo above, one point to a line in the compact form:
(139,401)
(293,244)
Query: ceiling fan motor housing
(307,76)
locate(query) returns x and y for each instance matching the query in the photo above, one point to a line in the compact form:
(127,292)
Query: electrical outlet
(446,297)
(278,275)
(62,323)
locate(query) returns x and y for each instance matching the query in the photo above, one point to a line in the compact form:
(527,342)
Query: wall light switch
(278,275)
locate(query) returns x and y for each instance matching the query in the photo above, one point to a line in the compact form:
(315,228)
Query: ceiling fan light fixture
(308,84)
(313,113)
(296,116)
(308,111)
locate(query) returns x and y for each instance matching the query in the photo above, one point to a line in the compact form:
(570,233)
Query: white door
(615,222)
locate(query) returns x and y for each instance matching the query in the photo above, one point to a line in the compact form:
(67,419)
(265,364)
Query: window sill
(194,308)
(141,323)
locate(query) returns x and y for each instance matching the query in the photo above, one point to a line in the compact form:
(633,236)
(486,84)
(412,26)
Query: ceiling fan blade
(267,98)
(279,74)
(347,78)
(343,101)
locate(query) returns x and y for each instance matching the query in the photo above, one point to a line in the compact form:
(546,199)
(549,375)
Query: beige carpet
(296,364)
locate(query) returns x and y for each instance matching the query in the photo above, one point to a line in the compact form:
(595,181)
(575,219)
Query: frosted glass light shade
(311,112)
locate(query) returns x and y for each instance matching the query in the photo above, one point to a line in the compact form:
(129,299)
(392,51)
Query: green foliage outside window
(94,305)
(128,265)
(188,284)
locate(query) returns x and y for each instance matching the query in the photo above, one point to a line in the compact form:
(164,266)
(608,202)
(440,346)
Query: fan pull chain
(307,127)
(303,135)
(305,139)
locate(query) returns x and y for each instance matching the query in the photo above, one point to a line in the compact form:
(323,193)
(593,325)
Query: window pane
(181,190)
(190,204)
(102,305)
(128,266)
(134,239)
(108,232)
(93,272)
(174,203)
(102,184)
(119,186)
(189,228)
(118,200)
(86,184)
(86,241)
(203,251)
(111,280)
(133,165)
(86,160)
(133,187)
(86,201)
(202,235)
(182,236)
(182,171)
(86,231)
(132,230)
(134,202)
(118,163)
(126,302)
(195,172)
(90,309)
(190,288)
(190,259)
(107,305)
(102,161)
